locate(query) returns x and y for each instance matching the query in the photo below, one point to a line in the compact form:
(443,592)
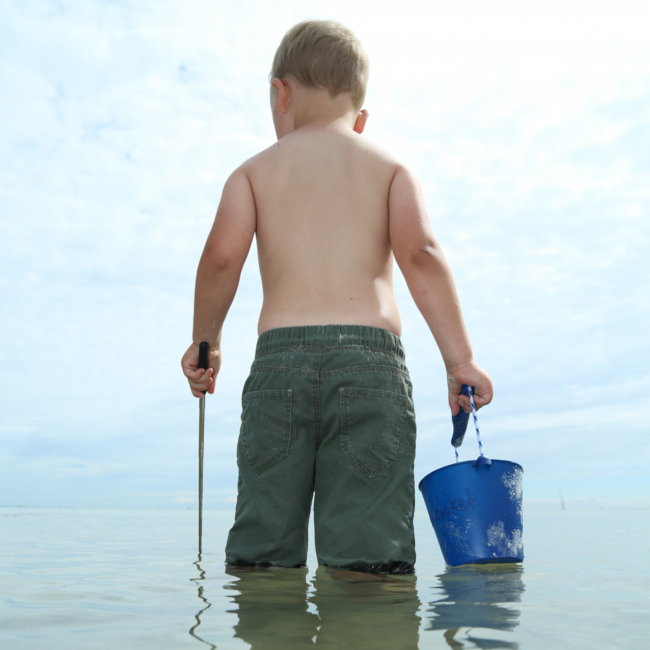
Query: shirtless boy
(327,407)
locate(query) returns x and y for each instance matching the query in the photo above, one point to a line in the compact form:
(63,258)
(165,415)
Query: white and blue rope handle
(460,422)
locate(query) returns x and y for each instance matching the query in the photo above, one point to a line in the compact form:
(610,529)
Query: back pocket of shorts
(266,427)
(371,427)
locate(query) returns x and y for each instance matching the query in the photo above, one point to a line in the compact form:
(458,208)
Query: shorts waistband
(329,336)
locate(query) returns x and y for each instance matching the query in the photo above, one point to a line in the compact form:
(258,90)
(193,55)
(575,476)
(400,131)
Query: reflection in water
(360,610)
(470,596)
(278,608)
(272,607)
(198,581)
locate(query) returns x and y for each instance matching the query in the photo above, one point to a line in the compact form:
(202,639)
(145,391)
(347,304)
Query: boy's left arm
(217,277)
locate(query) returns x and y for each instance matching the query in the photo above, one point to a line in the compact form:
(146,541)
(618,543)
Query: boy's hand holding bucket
(470,374)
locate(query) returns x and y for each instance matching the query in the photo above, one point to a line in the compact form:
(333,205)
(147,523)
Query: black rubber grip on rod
(203,355)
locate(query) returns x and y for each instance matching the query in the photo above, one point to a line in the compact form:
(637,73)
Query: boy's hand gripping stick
(203,363)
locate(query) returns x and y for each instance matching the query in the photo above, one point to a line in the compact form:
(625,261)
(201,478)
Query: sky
(528,125)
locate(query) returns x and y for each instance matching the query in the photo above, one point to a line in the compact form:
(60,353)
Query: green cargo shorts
(327,413)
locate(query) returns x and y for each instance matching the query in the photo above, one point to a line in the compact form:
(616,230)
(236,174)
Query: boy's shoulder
(302,145)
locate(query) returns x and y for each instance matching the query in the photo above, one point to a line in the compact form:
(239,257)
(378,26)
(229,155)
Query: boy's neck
(313,108)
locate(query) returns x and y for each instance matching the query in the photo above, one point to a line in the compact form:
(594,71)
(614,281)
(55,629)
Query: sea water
(73,578)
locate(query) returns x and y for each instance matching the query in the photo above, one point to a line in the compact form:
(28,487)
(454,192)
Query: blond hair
(323,54)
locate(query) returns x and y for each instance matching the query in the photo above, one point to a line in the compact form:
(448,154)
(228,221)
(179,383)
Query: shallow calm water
(130,579)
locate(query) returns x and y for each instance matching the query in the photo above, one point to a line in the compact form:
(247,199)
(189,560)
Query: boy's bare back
(325,257)
(330,211)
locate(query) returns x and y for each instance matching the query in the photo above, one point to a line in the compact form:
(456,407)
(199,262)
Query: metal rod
(203,363)
(201,437)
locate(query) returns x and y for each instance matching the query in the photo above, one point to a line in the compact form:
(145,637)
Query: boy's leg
(364,486)
(275,456)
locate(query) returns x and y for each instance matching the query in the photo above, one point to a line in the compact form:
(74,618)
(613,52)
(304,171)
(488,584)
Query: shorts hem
(394,567)
(249,564)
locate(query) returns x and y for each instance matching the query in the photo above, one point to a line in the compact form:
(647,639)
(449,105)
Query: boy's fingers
(479,401)
(465,404)
(209,387)
(202,384)
(454,405)
(191,370)
(483,398)
(198,392)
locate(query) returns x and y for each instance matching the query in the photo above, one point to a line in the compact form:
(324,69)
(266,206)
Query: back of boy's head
(323,54)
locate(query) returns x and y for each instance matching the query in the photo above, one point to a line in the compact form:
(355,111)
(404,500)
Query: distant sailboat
(562,506)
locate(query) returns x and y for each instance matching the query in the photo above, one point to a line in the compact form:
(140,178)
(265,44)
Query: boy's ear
(360,123)
(282,92)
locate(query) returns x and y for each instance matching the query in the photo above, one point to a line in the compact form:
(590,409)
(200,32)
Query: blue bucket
(476,506)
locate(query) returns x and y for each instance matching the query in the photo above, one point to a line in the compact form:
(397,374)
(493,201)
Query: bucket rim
(466,462)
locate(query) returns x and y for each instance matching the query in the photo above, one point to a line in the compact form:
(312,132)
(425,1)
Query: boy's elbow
(217,260)
(423,256)
(426,252)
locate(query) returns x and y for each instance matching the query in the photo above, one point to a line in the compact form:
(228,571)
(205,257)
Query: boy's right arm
(217,277)
(431,284)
